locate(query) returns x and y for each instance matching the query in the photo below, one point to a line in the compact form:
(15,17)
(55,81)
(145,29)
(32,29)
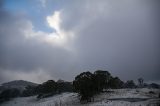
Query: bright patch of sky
(33,10)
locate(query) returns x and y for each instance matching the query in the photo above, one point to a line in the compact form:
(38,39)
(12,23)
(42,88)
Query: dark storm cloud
(124,38)
(121,37)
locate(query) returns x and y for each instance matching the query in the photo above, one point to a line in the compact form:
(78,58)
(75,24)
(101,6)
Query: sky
(59,39)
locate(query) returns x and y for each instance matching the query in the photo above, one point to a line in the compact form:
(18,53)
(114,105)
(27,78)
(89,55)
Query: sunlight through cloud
(59,36)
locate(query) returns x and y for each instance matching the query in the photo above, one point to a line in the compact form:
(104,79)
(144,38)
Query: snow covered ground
(119,97)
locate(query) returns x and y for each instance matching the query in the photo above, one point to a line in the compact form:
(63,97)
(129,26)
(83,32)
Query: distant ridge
(18,84)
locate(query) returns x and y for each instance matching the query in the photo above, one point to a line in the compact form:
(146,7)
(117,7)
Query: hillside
(117,97)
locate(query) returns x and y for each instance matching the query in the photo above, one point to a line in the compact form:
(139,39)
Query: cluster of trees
(45,89)
(129,84)
(88,84)
(7,94)
(49,88)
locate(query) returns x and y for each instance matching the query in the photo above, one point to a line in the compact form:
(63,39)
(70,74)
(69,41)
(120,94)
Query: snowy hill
(118,97)
(19,84)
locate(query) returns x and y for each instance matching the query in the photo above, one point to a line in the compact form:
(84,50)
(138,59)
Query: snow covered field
(120,97)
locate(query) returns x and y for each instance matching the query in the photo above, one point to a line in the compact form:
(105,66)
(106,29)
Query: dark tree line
(46,89)
(7,94)
(88,84)
(50,88)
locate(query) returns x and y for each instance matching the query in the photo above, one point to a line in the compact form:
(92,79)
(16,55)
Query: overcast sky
(58,39)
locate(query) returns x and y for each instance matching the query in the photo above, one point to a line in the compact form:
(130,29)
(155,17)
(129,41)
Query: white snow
(114,98)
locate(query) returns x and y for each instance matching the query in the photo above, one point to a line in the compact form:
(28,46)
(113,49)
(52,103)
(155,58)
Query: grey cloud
(27,55)
(121,37)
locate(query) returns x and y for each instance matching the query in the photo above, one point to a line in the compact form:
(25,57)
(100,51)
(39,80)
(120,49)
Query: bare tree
(140,81)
